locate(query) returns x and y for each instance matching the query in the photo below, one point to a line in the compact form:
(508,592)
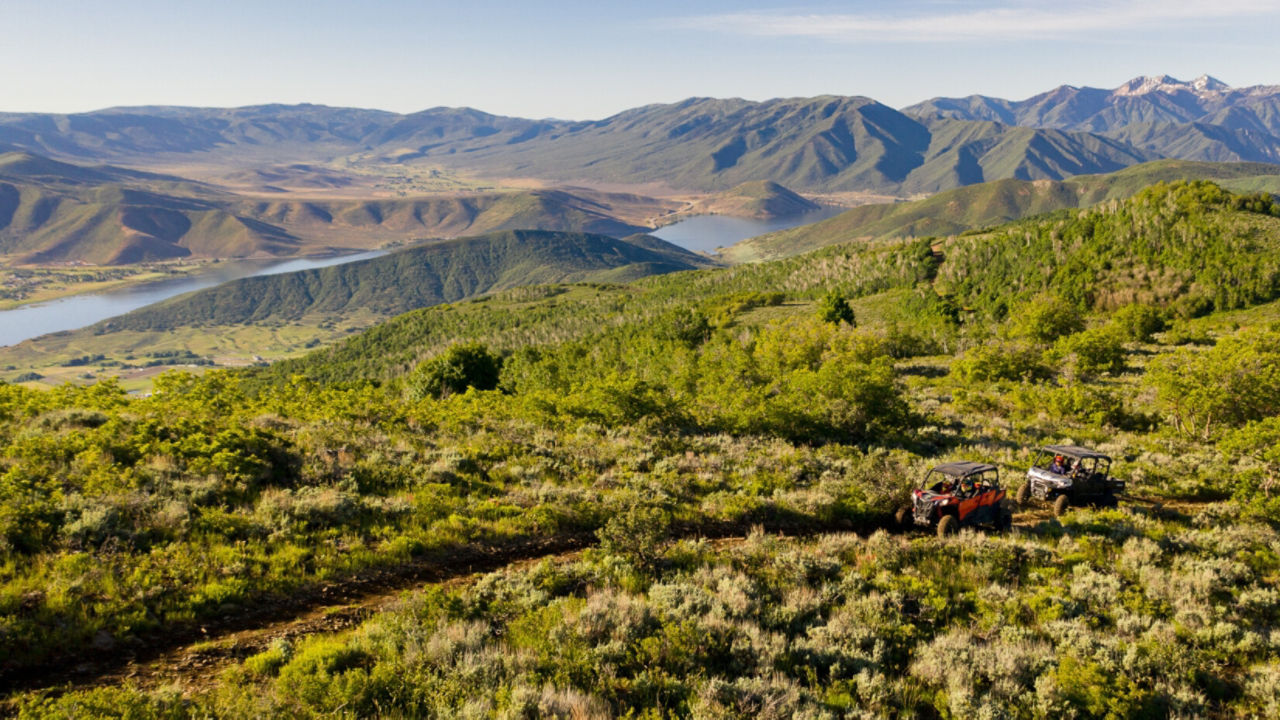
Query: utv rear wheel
(947,525)
(903,517)
(1024,494)
(1060,505)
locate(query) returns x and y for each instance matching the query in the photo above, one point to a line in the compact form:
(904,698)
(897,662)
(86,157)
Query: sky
(580,59)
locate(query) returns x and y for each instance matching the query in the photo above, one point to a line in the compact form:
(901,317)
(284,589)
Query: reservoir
(79,311)
(701,233)
(705,233)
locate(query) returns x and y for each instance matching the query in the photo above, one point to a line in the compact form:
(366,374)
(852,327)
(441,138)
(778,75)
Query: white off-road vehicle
(1066,475)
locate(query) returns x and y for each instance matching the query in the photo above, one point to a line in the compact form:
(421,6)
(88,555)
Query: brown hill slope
(57,212)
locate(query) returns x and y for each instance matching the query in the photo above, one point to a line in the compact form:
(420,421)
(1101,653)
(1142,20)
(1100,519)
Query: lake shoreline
(73,311)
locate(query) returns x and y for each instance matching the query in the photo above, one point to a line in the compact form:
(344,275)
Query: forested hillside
(994,203)
(417,277)
(802,396)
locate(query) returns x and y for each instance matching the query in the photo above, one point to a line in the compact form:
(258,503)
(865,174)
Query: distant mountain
(1203,119)
(417,277)
(250,135)
(52,211)
(143,133)
(822,143)
(825,143)
(979,206)
(703,144)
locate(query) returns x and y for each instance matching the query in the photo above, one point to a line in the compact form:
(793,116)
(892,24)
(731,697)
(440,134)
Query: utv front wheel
(1060,505)
(903,516)
(1004,523)
(947,525)
(1024,494)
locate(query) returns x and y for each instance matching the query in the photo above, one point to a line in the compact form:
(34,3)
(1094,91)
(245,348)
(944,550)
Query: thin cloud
(988,23)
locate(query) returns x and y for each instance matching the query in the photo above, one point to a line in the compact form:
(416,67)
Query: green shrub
(105,702)
(1046,319)
(1228,385)
(468,365)
(1093,351)
(268,662)
(685,326)
(637,533)
(1258,487)
(1000,360)
(723,310)
(1138,322)
(1090,405)
(834,308)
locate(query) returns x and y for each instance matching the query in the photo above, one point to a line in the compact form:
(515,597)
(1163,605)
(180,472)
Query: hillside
(760,199)
(58,212)
(417,277)
(685,488)
(994,203)
(985,272)
(453,216)
(1203,119)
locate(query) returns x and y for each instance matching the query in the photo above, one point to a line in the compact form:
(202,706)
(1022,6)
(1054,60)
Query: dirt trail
(192,658)
(179,651)
(186,653)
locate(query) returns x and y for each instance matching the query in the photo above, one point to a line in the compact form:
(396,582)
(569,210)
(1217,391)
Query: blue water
(79,311)
(702,233)
(705,233)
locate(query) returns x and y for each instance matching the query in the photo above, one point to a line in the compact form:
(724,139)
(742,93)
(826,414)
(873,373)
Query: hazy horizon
(581,61)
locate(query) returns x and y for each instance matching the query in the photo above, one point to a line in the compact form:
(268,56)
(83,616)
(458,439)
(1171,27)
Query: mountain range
(54,208)
(826,143)
(700,144)
(1203,119)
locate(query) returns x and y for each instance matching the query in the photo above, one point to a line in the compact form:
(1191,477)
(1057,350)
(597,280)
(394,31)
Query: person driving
(1059,465)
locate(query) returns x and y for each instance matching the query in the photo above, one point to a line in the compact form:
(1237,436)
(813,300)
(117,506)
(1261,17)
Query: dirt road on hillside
(191,658)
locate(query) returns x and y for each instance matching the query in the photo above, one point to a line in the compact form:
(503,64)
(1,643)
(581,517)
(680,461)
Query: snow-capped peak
(1169,84)
(1206,83)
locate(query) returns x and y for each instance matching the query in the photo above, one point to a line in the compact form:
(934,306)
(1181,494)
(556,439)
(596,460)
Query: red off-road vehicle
(956,495)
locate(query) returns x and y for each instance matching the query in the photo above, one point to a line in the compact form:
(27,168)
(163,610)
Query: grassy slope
(993,203)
